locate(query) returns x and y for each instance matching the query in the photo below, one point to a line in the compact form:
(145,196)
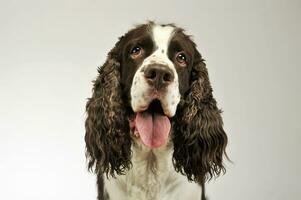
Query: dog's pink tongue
(153,129)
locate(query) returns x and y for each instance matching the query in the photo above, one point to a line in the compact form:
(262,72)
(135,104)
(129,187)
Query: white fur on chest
(152,177)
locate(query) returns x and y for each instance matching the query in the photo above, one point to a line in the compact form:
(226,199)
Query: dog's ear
(199,138)
(107,136)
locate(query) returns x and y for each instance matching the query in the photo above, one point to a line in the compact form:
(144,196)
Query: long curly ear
(199,138)
(107,130)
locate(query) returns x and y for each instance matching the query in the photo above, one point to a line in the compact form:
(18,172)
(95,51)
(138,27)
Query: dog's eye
(181,58)
(136,51)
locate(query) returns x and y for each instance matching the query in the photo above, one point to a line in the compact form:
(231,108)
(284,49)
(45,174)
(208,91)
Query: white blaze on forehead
(162,36)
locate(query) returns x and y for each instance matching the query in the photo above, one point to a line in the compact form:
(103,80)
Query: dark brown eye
(136,51)
(181,58)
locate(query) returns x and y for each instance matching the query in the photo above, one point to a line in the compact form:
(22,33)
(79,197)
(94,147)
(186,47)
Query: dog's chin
(151,126)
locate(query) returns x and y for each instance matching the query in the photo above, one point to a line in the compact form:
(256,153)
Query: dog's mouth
(152,126)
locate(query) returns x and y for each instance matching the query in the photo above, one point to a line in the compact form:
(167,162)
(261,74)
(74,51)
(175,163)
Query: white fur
(141,95)
(143,183)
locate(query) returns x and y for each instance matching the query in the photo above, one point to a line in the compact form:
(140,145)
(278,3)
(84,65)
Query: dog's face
(154,88)
(156,61)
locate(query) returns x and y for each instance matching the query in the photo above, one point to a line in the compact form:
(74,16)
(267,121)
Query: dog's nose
(158,76)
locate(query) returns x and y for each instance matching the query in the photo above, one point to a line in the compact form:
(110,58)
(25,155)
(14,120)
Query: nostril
(167,77)
(152,74)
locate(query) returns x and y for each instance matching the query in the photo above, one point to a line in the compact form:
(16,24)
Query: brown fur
(199,139)
(107,129)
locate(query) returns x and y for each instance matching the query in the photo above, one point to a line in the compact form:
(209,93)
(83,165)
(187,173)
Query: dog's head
(154,89)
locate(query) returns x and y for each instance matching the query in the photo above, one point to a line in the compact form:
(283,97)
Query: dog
(153,128)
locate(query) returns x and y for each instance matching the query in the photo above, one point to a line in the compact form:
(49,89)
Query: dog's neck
(151,172)
(152,177)
(151,168)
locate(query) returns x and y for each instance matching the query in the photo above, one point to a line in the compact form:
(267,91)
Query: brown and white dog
(153,130)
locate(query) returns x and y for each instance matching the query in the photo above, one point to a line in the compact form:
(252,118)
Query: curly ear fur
(107,129)
(199,138)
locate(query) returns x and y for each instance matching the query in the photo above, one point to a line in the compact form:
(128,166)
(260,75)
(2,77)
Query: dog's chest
(152,177)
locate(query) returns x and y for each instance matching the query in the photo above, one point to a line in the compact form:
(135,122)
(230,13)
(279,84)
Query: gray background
(49,51)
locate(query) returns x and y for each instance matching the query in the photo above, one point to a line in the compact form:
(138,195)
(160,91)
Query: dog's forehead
(161,35)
